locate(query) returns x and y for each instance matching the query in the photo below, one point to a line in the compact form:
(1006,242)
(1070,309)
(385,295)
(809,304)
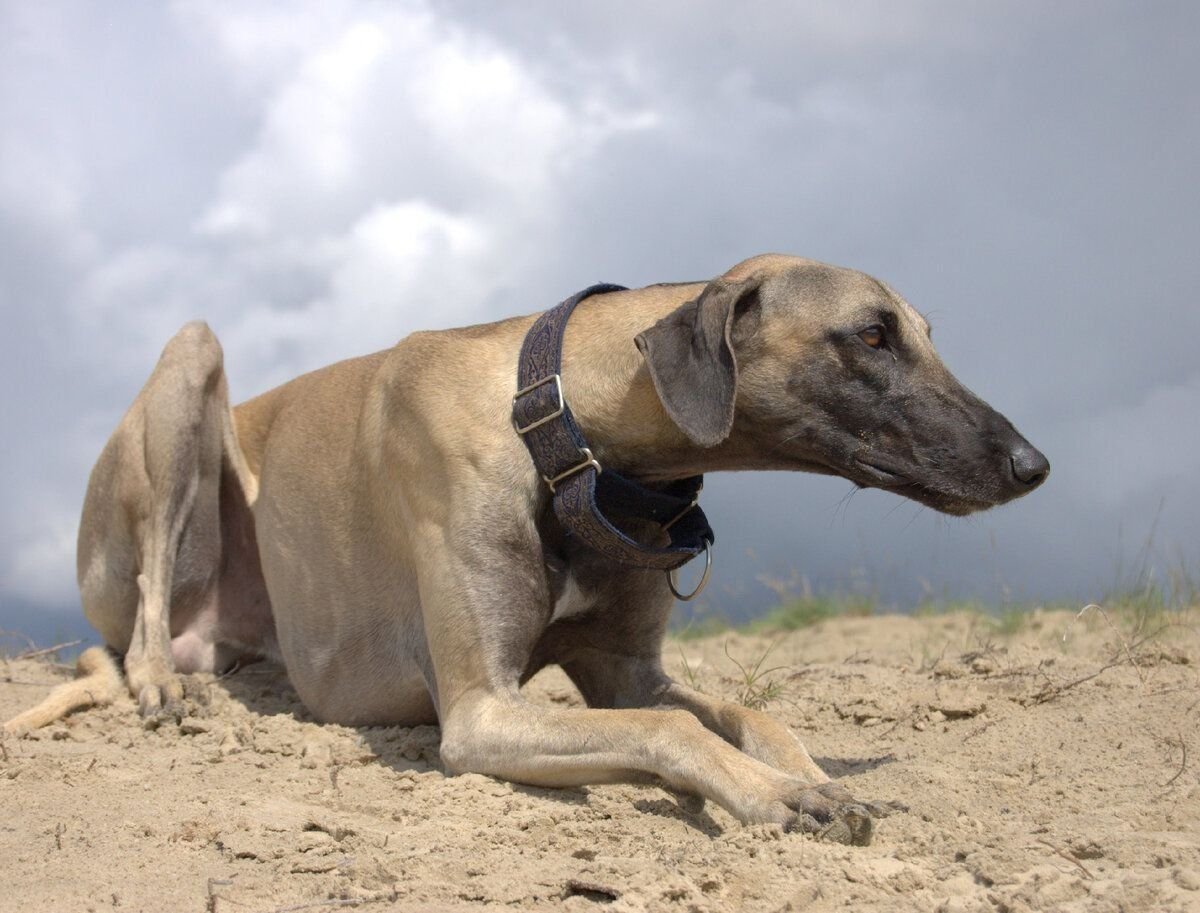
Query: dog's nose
(1029,465)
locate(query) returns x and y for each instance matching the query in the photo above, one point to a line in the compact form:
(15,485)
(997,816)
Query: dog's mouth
(883,474)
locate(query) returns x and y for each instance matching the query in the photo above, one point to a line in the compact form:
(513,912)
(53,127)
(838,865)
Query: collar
(589,500)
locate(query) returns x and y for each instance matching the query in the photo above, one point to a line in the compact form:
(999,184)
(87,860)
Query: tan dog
(378,526)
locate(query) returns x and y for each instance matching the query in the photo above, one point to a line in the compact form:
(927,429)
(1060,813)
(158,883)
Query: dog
(379,528)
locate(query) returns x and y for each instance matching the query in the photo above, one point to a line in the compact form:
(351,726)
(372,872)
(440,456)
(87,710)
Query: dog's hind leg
(153,505)
(150,544)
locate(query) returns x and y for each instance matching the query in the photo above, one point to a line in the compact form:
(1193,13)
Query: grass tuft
(698,628)
(807,611)
(1151,593)
(756,687)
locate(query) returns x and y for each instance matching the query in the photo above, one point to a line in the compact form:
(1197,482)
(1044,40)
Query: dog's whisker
(920,508)
(843,505)
(786,440)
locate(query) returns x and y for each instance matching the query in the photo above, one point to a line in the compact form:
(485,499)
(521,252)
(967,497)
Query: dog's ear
(690,356)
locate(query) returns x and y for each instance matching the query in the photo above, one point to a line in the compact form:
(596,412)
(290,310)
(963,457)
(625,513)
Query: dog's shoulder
(454,387)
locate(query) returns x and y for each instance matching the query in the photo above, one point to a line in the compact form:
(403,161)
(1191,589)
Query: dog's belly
(354,650)
(372,675)
(347,617)
(346,607)
(348,625)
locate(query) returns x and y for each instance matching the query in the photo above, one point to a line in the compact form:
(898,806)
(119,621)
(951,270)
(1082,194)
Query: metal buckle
(555,379)
(671,578)
(589,460)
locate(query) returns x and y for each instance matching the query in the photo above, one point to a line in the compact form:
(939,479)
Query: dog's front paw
(830,812)
(849,824)
(877,809)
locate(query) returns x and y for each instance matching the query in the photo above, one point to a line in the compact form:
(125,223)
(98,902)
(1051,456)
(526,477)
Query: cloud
(1136,452)
(318,179)
(401,169)
(36,567)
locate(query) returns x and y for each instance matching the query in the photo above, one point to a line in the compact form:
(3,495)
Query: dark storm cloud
(1023,173)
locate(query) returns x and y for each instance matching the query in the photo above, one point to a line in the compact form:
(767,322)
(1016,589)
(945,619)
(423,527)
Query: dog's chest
(571,599)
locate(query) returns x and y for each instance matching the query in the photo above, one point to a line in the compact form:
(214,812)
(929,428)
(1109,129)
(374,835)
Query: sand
(1052,768)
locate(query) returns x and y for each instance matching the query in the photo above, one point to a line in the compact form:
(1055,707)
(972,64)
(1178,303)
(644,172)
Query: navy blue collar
(592,501)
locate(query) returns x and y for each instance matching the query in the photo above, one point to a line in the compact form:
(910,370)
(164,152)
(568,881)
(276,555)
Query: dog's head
(790,363)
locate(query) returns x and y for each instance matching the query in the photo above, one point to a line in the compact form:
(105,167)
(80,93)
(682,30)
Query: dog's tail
(99,682)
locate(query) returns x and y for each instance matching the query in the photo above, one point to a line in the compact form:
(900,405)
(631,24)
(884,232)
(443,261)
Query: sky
(319,179)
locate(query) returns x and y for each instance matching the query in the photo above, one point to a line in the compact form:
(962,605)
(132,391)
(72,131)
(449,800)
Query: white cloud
(392,247)
(319,177)
(262,43)
(306,148)
(401,169)
(38,563)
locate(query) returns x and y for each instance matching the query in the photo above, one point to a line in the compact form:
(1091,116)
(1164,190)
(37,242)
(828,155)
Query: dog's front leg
(485,605)
(766,738)
(616,679)
(614,656)
(754,732)
(503,735)
(608,678)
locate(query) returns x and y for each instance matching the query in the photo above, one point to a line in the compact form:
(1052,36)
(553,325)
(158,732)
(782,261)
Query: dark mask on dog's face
(816,368)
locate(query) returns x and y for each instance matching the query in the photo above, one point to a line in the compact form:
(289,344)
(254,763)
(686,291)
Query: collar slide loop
(555,379)
(588,460)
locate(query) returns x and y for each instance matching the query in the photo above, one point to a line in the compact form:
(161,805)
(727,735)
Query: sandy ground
(1055,768)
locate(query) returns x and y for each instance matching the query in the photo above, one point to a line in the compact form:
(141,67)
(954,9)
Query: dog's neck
(608,386)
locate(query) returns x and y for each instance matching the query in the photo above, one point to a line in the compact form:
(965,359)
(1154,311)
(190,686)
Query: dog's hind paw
(161,703)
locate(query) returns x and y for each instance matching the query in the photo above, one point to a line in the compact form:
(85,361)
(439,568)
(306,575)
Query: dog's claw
(830,813)
(159,704)
(803,823)
(853,825)
(850,824)
(876,809)
(883,809)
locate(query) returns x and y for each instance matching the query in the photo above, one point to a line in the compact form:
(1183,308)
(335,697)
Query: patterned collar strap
(593,502)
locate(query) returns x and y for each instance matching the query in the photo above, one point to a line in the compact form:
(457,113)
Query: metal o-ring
(703,580)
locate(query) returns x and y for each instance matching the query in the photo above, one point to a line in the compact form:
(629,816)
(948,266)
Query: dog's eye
(874,337)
